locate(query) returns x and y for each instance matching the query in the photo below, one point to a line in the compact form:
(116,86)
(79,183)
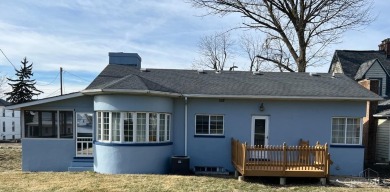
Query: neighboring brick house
(371,68)
(10,122)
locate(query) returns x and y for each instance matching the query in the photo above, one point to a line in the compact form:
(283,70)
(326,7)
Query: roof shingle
(235,83)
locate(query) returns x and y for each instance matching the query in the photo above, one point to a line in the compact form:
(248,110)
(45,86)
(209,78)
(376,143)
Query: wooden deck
(281,161)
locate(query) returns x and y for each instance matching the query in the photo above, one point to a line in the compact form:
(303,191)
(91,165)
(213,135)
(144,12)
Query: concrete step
(81,164)
(80,169)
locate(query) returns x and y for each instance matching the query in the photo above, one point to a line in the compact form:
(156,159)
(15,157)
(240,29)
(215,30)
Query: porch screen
(45,124)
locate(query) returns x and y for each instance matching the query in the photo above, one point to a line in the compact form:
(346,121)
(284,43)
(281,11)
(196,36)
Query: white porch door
(84,135)
(259,136)
(259,130)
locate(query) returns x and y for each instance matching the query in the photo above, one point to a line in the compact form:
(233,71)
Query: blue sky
(77,35)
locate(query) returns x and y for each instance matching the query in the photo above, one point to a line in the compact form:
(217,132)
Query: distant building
(10,122)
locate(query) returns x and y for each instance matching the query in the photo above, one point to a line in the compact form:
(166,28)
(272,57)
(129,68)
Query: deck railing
(278,160)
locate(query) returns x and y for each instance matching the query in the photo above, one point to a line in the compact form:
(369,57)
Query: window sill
(345,146)
(132,144)
(210,136)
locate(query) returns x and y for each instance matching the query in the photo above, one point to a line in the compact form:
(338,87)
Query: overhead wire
(8,59)
(76,76)
(51,81)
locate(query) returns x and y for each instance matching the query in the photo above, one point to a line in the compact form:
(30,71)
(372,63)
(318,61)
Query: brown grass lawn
(12,179)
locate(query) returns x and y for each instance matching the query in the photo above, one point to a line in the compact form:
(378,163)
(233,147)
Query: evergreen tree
(23,88)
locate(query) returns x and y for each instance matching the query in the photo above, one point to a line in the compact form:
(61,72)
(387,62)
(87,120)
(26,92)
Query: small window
(209,125)
(13,137)
(128,127)
(106,126)
(3,112)
(346,131)
(3,126)
(116,134)
(13,126)
(13,113)
(3,137)
(141,127)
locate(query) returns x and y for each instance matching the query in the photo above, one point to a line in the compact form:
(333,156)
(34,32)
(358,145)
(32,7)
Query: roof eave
(129,91)
(45,100)
(283,97)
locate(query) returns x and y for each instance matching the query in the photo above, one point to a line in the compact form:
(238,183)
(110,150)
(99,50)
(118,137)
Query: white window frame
(134,118)
(345,131)
(211,134)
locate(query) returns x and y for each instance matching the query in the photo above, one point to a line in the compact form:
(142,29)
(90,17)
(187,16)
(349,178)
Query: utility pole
(61,79)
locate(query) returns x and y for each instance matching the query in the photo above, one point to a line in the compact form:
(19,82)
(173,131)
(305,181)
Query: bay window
(133,127)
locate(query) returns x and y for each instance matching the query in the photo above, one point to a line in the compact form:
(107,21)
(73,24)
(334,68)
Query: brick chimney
(385,46)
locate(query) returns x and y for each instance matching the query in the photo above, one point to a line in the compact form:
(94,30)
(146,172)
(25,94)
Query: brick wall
(369,122)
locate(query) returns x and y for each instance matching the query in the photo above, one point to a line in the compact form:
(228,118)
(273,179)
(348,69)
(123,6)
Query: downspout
(185,126)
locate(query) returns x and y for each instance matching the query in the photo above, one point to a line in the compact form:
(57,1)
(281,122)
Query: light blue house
(142,117)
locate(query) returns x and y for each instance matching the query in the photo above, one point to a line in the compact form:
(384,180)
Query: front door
(259,130)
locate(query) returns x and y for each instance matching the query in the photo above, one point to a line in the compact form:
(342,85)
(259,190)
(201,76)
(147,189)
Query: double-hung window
(209,125)
(346,130)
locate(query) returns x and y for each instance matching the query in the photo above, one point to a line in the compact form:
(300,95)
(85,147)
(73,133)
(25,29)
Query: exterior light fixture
(261,108)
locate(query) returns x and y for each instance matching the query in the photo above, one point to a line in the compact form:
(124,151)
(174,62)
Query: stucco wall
(118,159)
(289,121)
(346,161)
(47,154)
(133,103)
(42,154)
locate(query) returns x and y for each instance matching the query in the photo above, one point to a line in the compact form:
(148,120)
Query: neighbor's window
(209,125)
(137,127)
(45,124)
(13,126)
(346,131)
(3,126)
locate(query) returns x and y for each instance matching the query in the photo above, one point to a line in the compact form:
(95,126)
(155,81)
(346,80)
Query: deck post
(236,175)
(326,160)
(244,159)
(241,178)
(323,181)
(284,160)
(283,181)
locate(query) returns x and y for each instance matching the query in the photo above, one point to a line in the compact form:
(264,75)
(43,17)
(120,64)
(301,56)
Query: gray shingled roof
(363,68)
(351,60)
(4,103)
(234,83)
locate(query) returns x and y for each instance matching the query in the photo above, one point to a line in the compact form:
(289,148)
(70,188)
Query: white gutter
(128,91)
(170,94)
(283,97)
(185,126)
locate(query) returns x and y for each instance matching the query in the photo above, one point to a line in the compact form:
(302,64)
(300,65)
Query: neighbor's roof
(4,103)
(124,78)
(351,60)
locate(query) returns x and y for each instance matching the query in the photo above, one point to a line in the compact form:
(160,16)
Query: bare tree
(3,85)
(303,28)
(214,51)
(252,48)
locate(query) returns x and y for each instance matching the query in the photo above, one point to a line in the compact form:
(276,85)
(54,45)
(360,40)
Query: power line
(52,93)
(8,59)
(51,81)
(77,76)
